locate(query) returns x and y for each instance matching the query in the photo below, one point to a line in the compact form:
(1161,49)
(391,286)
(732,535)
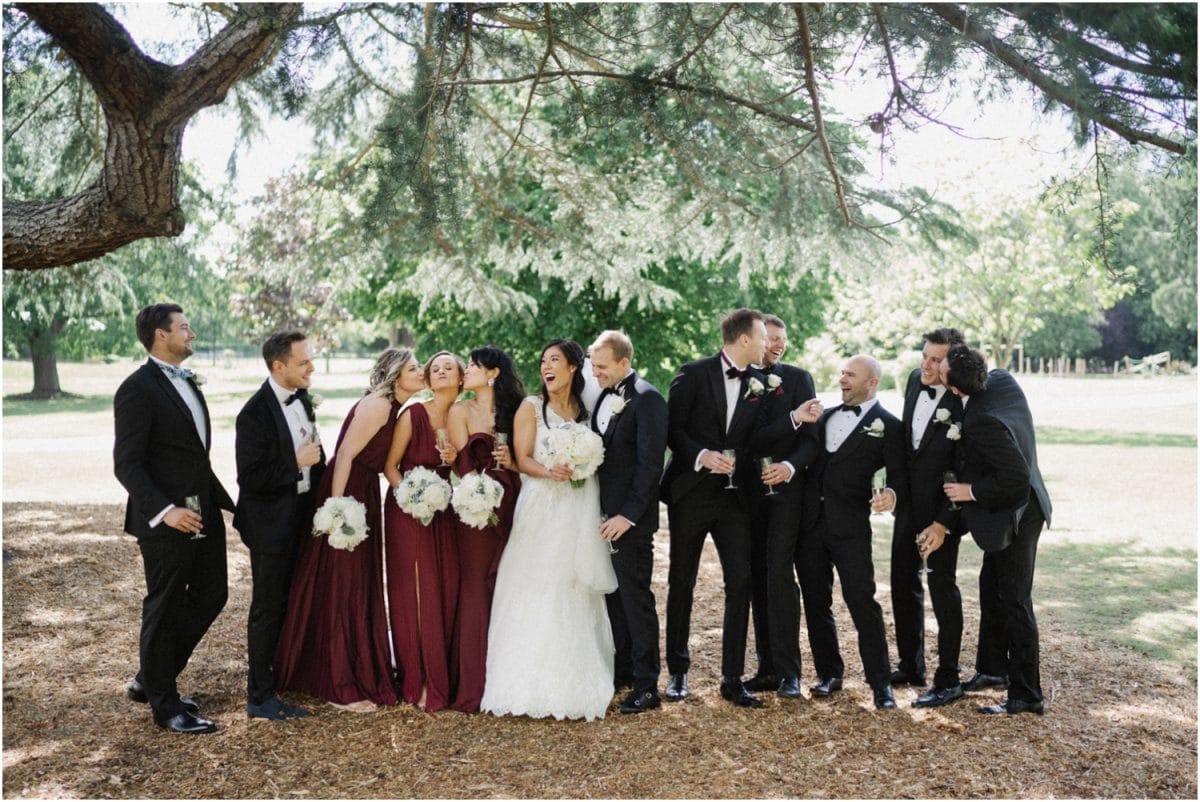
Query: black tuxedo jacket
(839,484)
(999,460)
(925,501)
(158,455)
(777,438)
(696,411)
(267,515)
(634,445)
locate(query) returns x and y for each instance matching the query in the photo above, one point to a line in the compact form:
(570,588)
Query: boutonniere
(617,405)
(954,432)
(198,379)
(942,415)
(315,400)
(775,383)
(754,388)
(875,429)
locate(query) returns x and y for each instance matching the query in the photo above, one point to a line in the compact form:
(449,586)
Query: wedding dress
(550,645)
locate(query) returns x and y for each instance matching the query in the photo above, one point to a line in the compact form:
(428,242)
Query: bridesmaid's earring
(491,382)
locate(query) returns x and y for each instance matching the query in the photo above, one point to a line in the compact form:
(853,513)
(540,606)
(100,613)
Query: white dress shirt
(733,386)
(923,412)
(843,423)
(303,430)
(604,413)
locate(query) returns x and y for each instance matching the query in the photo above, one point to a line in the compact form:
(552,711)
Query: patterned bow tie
(927,389)
(301,395)
(176,373)
(857,410)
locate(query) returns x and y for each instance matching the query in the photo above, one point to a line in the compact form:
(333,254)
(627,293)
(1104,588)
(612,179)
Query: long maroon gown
(425,559)
(334,642)
(478,559)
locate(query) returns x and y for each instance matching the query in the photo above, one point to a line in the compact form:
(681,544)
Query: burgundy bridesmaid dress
(334,643)
(422,580)
(478,558)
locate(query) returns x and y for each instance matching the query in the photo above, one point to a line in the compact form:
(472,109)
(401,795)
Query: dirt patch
(1117,726)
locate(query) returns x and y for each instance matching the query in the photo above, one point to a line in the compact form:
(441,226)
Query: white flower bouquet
(476,498)
(344,520)
(422,494)
(578,446)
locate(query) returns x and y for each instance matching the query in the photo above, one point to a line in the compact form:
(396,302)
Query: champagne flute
(611,548)
(501,442)
(766,463)
(193,504)
(924,560)
(877,485)
(730,455)
(949,478)
(442,444)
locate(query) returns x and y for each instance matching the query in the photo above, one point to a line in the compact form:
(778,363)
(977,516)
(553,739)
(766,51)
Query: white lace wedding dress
(550,645)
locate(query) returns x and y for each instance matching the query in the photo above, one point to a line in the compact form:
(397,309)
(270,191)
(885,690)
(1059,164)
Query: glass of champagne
(924,560)
(611,548)
(766,463)
(501,442)
(877,485)
(949,478)
(193,504)
(443,442)
(730,455)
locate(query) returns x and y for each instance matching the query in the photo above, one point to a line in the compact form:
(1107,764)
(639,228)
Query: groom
(160,455)
(279,463)
(631,416)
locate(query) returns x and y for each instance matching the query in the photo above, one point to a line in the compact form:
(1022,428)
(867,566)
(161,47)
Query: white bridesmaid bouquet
(422,494)
(578,446)
(344,520)
(476,498)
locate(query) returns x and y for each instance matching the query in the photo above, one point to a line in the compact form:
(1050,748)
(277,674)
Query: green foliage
(1069,334)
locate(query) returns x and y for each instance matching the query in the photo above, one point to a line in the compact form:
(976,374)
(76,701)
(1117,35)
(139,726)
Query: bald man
(856,438)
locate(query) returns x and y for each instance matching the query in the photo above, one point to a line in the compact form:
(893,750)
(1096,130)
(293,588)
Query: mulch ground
(1117,725)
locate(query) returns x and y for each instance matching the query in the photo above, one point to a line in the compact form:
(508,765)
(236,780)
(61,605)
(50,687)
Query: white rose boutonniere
(754,388)
(198,379)
(875,429)
(315,400)
(942,415)
(617,405)
(774,381)
(954,432)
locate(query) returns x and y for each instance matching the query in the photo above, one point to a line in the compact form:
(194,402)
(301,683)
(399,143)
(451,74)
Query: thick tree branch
(811,83)
(1004,53)
(146,106)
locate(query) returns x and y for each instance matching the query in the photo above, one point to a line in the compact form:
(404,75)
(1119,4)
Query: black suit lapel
(912,393)
(165,385)
(855,438)
(716,383)
(747,404)
(282,429)
(943,403)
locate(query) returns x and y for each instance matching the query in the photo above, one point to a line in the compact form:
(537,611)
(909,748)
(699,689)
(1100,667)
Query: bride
(550,645)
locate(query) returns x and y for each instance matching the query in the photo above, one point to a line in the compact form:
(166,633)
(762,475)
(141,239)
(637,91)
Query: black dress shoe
(136,692)
(677,688)
(827,686)
(936,697)
(1014,706)
(884,699)
(640,702)
(762,682)
(734,690)
(901,677)
(274,709)
(187,723)
(789,688)
(981,681)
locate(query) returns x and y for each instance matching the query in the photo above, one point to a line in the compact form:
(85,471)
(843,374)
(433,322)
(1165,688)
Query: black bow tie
(301,395)
(734,373)
(857,410)
(927,389)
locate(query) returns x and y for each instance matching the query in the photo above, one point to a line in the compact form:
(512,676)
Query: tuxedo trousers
(820,551)
(271,571)
(186,589)
(761,512)
(709,509)
(1008,631)
(782,592)
(631,609)
(908,605)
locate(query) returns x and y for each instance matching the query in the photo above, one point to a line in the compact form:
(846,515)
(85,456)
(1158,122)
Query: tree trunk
(43,347)
(146,106)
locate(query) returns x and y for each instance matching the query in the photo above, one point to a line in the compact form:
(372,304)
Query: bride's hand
(560,473)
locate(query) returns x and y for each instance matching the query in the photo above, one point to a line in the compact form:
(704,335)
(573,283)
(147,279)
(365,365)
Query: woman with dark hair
(474,426)
(550,645)
(422,559)
(334,643)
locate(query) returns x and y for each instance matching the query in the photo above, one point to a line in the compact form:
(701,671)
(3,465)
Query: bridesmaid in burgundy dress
(334,642)
(474,424)
(422,561)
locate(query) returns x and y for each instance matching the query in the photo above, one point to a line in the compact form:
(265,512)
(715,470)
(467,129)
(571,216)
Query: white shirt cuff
(157,519)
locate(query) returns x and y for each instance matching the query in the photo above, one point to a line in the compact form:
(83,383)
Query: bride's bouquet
(578,446)
(344,520)
(422,494)
(476,498)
